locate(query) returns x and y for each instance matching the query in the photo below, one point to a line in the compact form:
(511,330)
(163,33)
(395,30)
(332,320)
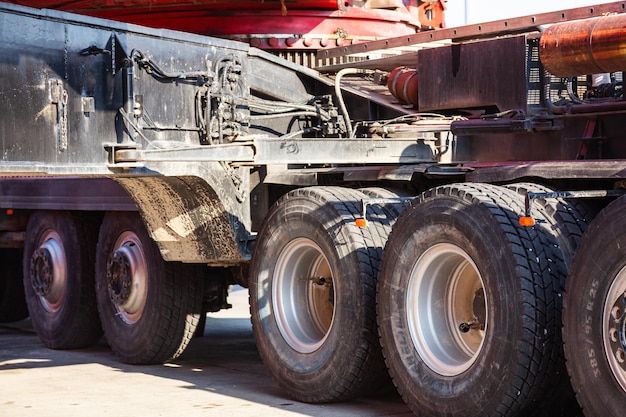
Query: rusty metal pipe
(583,47)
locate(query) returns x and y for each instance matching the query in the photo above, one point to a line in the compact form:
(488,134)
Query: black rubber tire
(341,359)
(12,297)
(567,219)
(166,307)
(65,315)
(512,369)
(597,268)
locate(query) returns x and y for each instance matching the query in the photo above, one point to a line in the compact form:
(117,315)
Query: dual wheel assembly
(313,292)
(468,304)
(81,282)
(469,309)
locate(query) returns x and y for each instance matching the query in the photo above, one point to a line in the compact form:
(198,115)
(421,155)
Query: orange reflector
(361,222)
(526,221)
(9,212)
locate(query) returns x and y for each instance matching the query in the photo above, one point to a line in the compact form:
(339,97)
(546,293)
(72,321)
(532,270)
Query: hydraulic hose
(338,93)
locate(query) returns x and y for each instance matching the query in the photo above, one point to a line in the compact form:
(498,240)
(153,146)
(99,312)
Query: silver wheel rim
(614,328)
(51,293)
(446,309)
(303,296)
(129,307)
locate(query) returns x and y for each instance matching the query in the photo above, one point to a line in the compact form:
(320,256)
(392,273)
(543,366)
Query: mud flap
(186,219)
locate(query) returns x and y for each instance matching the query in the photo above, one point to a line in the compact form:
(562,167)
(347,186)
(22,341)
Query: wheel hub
(119,277)
(127,277)
(41,272)
(617,331)
(48,271)
(479,306)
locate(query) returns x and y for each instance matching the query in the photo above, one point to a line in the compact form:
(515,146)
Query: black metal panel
(61,88)
(480,75)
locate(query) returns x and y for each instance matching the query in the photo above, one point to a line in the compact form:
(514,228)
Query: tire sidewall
(309,370)
(448,220)
(600,259)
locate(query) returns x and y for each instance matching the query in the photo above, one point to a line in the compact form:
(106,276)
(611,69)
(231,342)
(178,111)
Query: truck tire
(567,219)
(593,315)
(312,295)
(12,297)
(466,309)
(149,308)
(59,280)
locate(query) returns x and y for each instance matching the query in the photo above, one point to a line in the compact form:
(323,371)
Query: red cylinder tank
(584,47)
(402,83)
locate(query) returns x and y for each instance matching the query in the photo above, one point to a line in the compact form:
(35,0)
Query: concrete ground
(220,374)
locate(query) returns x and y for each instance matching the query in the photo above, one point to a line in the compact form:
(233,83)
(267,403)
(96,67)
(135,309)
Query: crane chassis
(469,244)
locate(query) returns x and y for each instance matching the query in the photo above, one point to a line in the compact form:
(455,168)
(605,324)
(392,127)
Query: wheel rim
(614,328)
(446,309)
(48,271)
(127,277)
(303,296)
